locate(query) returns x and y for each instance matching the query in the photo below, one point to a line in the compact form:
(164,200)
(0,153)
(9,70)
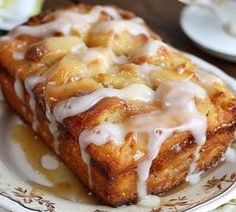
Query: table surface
(163,17)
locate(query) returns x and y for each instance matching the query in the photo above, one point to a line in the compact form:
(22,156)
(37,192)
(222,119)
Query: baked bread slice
(129,114)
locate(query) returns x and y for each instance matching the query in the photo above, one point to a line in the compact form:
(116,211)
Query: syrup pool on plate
(64,183)
(42,159)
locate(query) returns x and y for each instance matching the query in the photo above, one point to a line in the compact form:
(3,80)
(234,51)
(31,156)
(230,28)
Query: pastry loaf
(130,115)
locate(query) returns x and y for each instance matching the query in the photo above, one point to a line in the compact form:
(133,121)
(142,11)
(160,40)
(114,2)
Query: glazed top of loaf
(105,68)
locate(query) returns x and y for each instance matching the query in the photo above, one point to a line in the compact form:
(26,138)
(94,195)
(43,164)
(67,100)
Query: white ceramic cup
(225,11)
(15,12)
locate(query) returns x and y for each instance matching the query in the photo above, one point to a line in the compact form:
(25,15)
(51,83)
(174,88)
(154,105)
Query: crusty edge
(100,172)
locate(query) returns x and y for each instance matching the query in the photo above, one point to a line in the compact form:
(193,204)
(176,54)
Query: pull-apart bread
(130,115)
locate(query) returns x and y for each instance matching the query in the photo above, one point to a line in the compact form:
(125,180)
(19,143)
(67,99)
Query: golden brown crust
(113,167)
(118,188)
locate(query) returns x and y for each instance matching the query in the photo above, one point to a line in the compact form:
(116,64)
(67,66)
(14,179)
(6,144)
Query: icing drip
(65,22)
(99,136)
(149,49)
(192,177)
(30,83)
(76,105)
(131,26)
(178,98)
(53,128)
(19,90)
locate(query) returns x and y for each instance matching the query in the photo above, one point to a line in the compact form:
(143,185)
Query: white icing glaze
(149,49)
(168,92)
(49,162)
(194,178)
(156,138)
(178,98)
(63,24)
(131,26)
(30,82)
(65,21)
(197,121)
(76,105)
(19,89)
(99,136)
(53,129)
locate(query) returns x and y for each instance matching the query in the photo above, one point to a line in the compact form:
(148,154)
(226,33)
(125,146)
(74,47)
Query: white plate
(17,194)
(203,27)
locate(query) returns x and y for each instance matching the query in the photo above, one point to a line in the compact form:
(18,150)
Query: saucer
(203,27)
